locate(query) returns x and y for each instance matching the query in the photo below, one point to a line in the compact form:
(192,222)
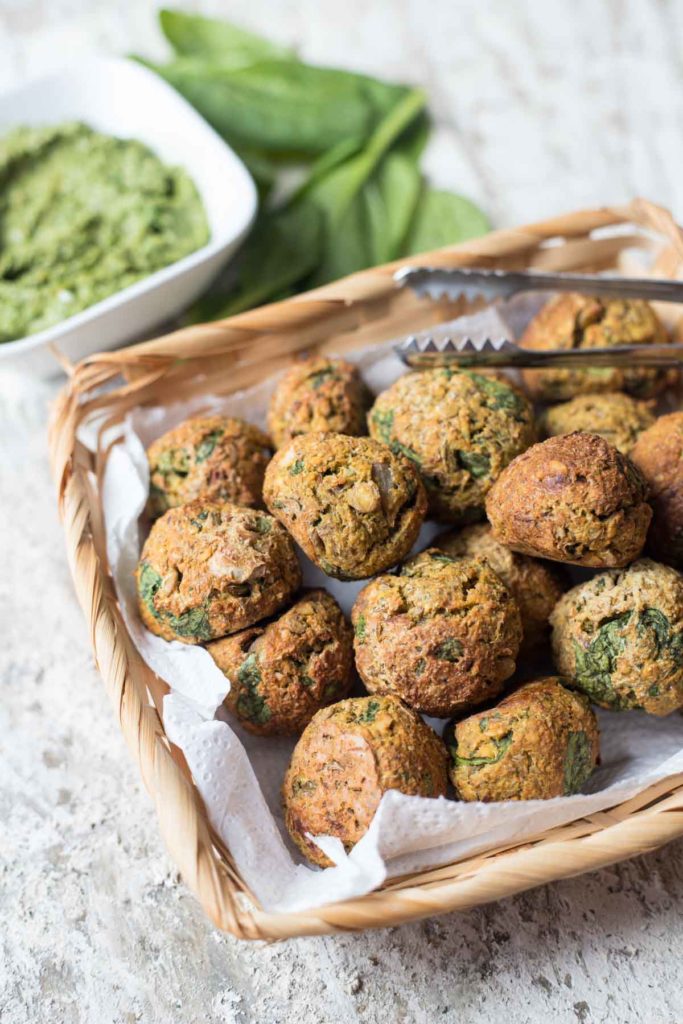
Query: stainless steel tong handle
(494,284)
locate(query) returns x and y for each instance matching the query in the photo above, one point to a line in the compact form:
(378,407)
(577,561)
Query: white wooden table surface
(542,106)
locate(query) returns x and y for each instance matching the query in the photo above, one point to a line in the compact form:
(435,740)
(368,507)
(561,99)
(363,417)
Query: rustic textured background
(542,106)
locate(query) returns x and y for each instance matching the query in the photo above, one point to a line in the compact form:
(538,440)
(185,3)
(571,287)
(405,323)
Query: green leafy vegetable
(501,746)
(149,582)
(450,650)
(192,623)
(442,218)
(250,704)
(594,665)
(192,35)
(207,445)
(578,763)
(500,395)
(360,628)
(384,422)
(369,713)
(297,467)
(477,464)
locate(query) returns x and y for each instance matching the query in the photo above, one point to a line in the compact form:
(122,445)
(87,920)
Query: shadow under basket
(227,356)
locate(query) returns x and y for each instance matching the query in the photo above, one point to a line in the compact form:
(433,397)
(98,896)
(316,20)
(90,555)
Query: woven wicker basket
(229,355)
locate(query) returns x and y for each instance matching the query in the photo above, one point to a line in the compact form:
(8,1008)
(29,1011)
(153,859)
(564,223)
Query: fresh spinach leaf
(192,35)
(443,218)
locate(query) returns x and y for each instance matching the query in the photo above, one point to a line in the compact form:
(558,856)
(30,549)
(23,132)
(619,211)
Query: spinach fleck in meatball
(459,428)
(212,457)
(573,321)
(283,672)
(619,637)
(573,499)
(318,395)
(618,418)
(540,742)
(535,586)
(352,505)
(658,454)
(442,635)
(208,569)
(347,758)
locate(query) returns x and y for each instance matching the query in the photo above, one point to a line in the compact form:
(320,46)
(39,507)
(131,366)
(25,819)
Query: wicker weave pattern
(229,355)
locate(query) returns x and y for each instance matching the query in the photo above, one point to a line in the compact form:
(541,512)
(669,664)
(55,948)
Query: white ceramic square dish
(122,98)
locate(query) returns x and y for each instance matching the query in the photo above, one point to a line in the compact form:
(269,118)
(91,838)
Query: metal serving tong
(424,350)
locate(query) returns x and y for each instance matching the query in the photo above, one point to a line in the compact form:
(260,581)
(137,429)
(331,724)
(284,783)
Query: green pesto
(578,763)
(250,704)
(83,215)
(207,445)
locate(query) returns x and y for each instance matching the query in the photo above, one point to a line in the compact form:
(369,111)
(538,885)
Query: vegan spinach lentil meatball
(615,416)
(347,758)
(619,637)
(540,742)
(574,499)
(353,505)
(574,321)
(535,586)
(318,395)
(442,635)
(282,672)
(459,428)
(658,454)
(212,457)
(209,568)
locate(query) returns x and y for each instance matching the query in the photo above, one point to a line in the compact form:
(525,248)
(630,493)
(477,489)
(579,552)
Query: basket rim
(632,827)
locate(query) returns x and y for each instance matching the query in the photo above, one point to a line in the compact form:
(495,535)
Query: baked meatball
(534,585)
(459,428)
(208,569)
(572,499)
(353,505)
(580,321)
(212,457)
(618,418)
(442,635)
(619,637)
(658,454)
(283,672)
(347,758)
(541,741)
(318,395)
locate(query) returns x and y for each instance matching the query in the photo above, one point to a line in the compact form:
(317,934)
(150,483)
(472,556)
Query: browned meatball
(658,454)
(283,672)
(208,569)
(318,395)
(535,586)
(459,428)
(442,635)
(572,499)
(618,418)
(580,321)
(540,742)
(352,505)
(347,758)
(212,457)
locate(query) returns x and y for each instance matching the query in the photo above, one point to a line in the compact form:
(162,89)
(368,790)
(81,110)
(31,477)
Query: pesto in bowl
(84,215)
